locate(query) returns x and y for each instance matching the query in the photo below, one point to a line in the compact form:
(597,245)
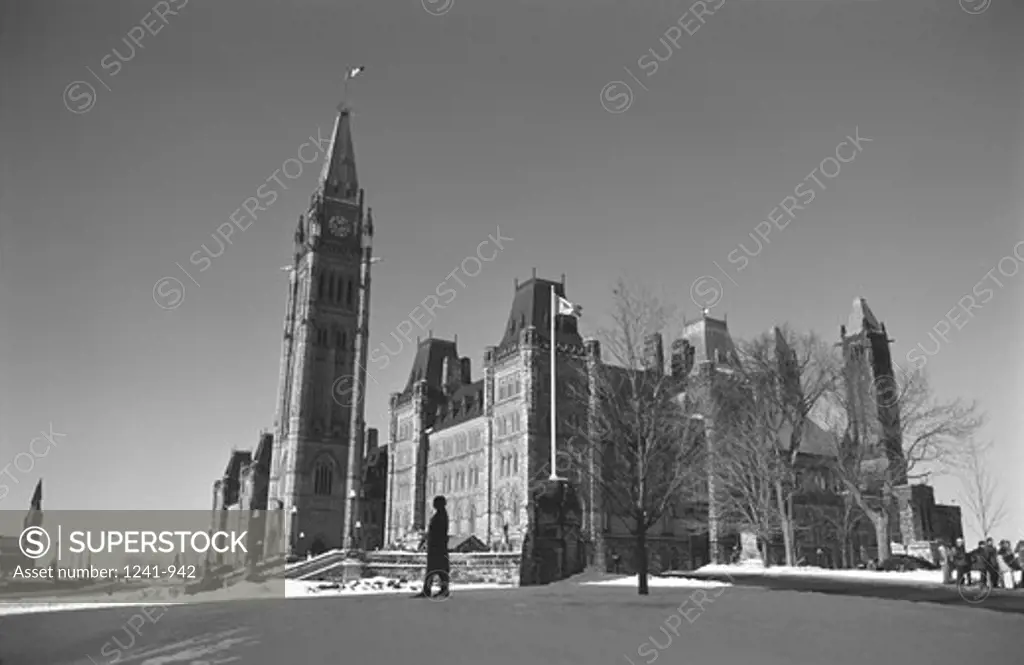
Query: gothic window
(323,479)
(518,386)
(515,462)
(471,517)
(514,508)
(348,295)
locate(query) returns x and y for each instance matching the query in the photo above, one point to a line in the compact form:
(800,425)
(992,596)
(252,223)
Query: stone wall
(484,567)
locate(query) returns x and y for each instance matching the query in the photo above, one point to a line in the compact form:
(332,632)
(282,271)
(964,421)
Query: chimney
(446,375)
(654,353)
(464,367)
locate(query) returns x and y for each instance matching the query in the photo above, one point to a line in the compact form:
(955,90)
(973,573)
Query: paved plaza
(564,623)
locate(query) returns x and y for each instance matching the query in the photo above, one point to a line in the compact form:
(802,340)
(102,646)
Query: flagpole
(554,416)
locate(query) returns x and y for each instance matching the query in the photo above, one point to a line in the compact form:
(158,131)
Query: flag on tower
(352,73)
(567,308)
(34,517)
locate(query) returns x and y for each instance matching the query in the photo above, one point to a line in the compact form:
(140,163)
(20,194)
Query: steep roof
(464,404)
(711,341)
(238,459)
(862,318)
(338,178)
(531,306)
(428,364)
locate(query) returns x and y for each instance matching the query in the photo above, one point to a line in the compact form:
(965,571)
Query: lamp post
(293,530)
(217,484)
(352,542)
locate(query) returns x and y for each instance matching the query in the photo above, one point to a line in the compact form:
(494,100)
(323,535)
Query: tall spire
(338,179)
(862,318)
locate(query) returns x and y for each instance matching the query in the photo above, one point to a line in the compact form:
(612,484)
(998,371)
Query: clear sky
(470,117)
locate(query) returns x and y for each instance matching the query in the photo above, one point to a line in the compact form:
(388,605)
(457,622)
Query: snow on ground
(34,608)
(370,586)
(242,591)
(909,577)
(659,582)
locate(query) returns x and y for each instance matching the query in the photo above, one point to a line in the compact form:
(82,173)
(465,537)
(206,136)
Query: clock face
(342,226)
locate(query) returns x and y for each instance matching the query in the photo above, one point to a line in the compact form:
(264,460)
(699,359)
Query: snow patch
(661,582)
(370,586)
(908,577)
(35,608)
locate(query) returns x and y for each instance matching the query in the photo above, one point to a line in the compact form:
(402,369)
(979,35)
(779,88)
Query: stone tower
(871,386)
(318,451)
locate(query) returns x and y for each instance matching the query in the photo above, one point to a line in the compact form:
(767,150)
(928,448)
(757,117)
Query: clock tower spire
(338,178)
(318,451)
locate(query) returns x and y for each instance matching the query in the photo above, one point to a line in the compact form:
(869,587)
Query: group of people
(999,567)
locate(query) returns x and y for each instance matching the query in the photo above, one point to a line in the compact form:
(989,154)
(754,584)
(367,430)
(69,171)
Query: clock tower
(320,429)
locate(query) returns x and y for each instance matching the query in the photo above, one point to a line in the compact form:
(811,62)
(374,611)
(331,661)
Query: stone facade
(316,466)
(483,443)
(874,407)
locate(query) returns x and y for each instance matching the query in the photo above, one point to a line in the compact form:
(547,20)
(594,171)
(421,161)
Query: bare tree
(790,374)
(745,463)
(641,449)
(980,491)
(911,436)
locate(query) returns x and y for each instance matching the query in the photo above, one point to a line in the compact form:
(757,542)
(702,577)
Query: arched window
(515,462)
(514,508)
(471,517)
(323,478)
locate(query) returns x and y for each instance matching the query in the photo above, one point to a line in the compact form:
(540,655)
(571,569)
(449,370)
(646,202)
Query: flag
(34,517)
(567,308)
(352,73)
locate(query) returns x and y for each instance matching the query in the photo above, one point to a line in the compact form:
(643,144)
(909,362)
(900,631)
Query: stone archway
(318,547)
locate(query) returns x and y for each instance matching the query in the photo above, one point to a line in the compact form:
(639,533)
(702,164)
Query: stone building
(316,464)
(482,443)
(308,473)
(918,521)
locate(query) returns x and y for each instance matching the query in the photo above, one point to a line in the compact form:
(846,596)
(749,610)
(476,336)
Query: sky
(475,117)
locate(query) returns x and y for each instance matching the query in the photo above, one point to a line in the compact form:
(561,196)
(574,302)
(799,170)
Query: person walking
(991,555)
(438,564)
(961,563)
(1006,564)
(944,561)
